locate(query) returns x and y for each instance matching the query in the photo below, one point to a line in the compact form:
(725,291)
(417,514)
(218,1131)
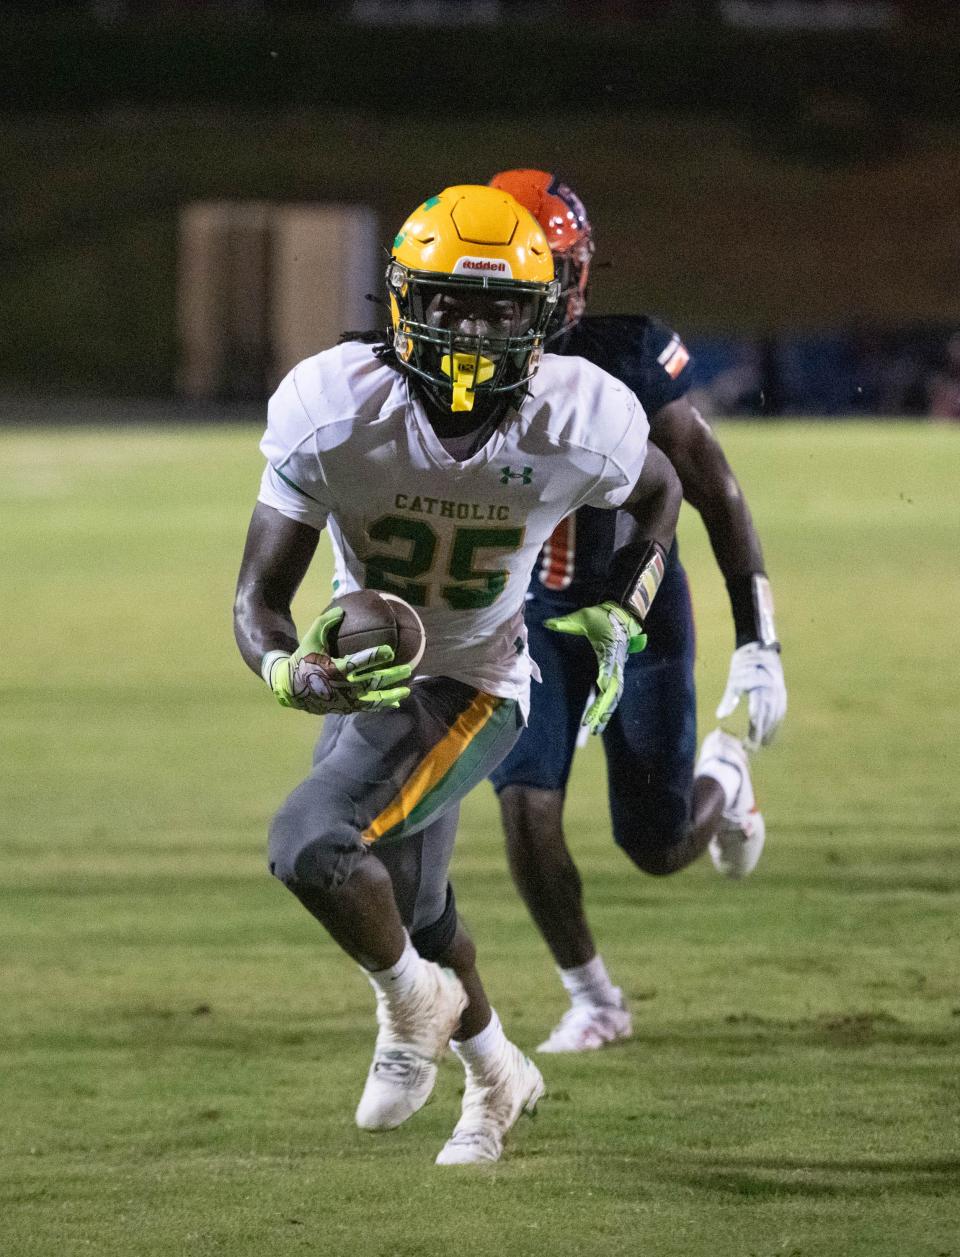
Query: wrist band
(636,571)
(751,600)
(267,662)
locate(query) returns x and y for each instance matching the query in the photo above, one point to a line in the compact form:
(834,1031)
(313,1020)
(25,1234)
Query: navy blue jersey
(653,362)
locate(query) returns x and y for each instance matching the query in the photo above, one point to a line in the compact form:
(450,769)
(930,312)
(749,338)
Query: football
(375,619)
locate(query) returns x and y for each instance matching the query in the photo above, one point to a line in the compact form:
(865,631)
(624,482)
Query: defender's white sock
(589,983)
(484,1049)
(726,776)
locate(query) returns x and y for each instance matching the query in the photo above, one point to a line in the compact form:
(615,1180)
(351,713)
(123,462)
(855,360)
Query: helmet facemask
(470,341)
(573,275)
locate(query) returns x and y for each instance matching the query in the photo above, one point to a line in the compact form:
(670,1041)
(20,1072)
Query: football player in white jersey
(439,462)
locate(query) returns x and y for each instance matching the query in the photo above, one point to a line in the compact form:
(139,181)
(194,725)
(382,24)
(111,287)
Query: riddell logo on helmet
(482,266)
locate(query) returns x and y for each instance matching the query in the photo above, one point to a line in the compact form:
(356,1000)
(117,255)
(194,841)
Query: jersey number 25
(469,589)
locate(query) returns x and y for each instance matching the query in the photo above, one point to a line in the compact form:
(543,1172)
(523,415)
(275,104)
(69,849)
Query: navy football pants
(650,742)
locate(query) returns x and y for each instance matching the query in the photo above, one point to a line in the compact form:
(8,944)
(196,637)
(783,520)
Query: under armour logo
(524,475)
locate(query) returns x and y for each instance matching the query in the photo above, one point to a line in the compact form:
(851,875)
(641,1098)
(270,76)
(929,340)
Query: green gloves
(311,681)
(613,633)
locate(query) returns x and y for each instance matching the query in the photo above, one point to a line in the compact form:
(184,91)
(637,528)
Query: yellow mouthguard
(463,377)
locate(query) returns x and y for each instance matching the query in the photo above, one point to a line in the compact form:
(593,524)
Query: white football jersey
(349,447)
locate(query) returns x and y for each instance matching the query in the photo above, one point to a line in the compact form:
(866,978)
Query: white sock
(485,1048)
(589,983)
(397,981)
(728,778)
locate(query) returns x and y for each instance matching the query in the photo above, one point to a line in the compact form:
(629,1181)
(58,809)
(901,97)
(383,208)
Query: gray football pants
(388,784)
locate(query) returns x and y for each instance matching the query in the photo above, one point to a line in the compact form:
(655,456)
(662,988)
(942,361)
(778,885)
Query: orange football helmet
(561,214)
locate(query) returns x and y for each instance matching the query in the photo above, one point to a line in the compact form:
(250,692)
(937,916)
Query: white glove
(756,670)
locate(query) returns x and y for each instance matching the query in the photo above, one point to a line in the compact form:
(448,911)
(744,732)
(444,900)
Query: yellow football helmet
(471,287)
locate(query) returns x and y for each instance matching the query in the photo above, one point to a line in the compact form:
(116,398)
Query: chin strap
(466,371)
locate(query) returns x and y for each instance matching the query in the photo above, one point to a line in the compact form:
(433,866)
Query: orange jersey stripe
(556,571)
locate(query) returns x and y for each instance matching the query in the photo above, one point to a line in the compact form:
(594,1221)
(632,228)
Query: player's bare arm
(654,501)
(710,486)
(276,556)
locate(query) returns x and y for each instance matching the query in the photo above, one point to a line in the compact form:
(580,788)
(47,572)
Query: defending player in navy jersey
(439,461)
(667,805)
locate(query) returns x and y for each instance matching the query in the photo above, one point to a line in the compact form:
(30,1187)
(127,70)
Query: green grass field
(181,1048)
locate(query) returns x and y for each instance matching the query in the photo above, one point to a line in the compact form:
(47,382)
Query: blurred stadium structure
(776,14)
(775,177)
(248,281)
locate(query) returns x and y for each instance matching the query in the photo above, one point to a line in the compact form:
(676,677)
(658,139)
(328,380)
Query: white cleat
(491,1105)
(736,848)
(586,1027)
(412,1037)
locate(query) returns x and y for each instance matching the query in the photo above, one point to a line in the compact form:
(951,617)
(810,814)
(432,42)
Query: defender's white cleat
(492,1102)
(586,1027)
(413,1035)
(736,848)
